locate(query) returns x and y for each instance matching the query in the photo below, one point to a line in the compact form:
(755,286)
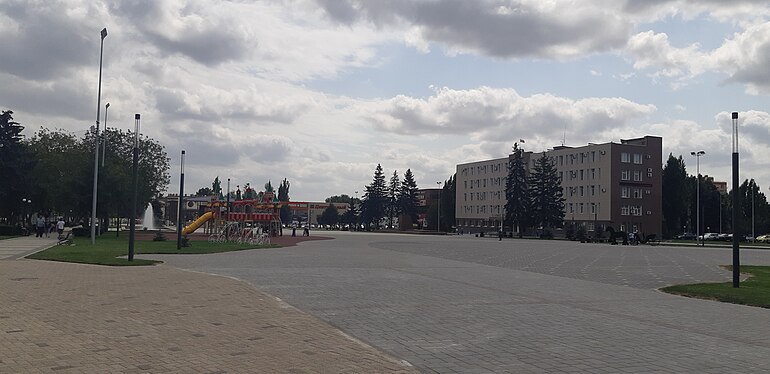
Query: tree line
(680,204)
(54,170)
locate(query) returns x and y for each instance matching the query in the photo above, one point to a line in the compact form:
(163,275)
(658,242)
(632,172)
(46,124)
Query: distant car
(724,237)
(686,236)
(709,236)
(764,238)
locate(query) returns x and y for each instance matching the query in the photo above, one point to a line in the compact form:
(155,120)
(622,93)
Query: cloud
(494,28)
(743,58)
(490,113)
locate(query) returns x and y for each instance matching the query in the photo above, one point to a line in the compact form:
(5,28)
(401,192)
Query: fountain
(148,222)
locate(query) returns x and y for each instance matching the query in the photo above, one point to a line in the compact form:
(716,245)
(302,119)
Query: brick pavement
(62,318)
(11,249)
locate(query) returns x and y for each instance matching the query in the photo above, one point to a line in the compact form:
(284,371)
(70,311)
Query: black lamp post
(736,204)
(135,171)
(96,141)
(697,194)
(181,201)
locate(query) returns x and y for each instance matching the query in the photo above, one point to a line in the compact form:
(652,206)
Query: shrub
(81,231)
(570,234)
(159,237)
(10,230)
(581,233)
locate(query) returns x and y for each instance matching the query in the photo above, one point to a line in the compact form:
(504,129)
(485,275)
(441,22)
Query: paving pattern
(15,248)
(72,318)
(472,305)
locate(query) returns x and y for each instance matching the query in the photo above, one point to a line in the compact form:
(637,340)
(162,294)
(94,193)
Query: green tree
(407,197)
(340,199)
(675,197)
(283,195)
(204,191)
(448,202)
(15,161)
(329,217)
(269,187)
(517,205)
(760,205)
(392,205)
(375,200)
(216,187)
(547,203)
(351,215)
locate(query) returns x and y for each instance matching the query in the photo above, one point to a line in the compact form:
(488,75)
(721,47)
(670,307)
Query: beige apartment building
(608,184)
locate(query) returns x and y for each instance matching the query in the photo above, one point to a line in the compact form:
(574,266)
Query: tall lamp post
(135,171)
(438,219)
(736,204)
(181,201)
(359,205)
(104,141)
(697,194)
(96,140)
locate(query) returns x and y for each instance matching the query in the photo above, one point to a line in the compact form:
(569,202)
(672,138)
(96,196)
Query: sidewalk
(72,318)
(11,249)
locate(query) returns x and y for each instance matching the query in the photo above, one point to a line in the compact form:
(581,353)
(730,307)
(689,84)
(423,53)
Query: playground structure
(252,218)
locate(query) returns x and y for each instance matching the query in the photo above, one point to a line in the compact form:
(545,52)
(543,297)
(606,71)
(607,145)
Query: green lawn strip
(754,291)
(8,236)
(107,250)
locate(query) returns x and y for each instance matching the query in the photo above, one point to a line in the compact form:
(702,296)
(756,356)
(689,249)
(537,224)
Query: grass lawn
(754,291)
(108,248)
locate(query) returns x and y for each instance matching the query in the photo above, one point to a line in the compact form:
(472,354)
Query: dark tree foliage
(351,215)
(547,203)
(340,199)
(216,187)
(204,191)
(517,206)
(407,197)
(329,217)
(269,187)
(761,214)
(375,200)
(393,208)
(15,161)
(283,195)
(675,198)
(448,201)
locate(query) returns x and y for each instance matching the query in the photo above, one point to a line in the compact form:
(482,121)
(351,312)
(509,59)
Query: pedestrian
(51,228)
(60,226)
(40,226)
(306,232)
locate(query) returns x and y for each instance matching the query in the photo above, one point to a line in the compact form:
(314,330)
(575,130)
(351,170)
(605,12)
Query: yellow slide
(197,223)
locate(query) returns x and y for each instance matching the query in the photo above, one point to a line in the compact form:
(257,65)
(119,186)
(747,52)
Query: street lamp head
(701,152)
(692,153)
(107,106)
(104,33)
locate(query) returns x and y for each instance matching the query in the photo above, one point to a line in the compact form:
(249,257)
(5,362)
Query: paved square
(472,305)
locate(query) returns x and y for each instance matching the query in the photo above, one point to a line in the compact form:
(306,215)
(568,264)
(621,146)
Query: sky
(321,91)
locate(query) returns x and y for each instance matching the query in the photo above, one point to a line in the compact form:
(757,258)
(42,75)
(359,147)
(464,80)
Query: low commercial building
(608,184)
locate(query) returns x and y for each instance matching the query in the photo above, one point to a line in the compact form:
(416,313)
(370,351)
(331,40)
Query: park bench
(65,239)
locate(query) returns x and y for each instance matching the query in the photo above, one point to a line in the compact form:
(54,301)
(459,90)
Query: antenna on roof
(564,137)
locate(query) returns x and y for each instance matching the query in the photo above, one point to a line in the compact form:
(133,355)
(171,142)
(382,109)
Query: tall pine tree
(393,188)
(407,197)
(375,200)
(283,196)
(15,162)
(547,202)
(448,202)
(674,196)
(517,205)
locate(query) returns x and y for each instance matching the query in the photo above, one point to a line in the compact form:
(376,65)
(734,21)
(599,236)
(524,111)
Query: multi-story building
(608,184)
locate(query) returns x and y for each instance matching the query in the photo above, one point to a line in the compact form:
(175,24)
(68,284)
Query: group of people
(46,225)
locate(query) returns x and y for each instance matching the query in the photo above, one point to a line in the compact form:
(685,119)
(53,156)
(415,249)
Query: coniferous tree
(351,215)
(283,196)
(375,200)
(14,162)
(448,201)
(393,188)
(329,217)
(407,197)
(547,203)
(517,206)
(674,196)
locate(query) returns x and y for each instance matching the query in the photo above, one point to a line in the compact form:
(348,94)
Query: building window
(593,173)
(581,208)
(637,158)
(624,192)
(465,196)
(637,176)
(637,193)
(485,182)
(561,160)
(593,156)
(571,208)
(581,191)
(624,210)
(590,226)
(593,208)
(593,191)
(649,174)
(624,175)
(636,211)
(466,184)
(581,174)
(625,157)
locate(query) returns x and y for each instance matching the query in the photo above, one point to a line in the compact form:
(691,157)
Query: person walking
(40,226)
(60,226)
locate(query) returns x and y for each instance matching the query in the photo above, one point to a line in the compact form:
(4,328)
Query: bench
(65,239)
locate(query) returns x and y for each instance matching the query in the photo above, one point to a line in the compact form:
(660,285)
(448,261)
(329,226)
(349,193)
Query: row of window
(576,158)
(636,193)
(631,210)
(626,175)
(469,196)
(483,209)
(579,191)
(579,208)
(580,174)
(626,158)
(483,169)
(482,183)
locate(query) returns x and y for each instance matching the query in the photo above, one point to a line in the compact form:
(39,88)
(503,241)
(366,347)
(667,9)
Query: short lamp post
(697,194)
(180,205)
(135,171)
